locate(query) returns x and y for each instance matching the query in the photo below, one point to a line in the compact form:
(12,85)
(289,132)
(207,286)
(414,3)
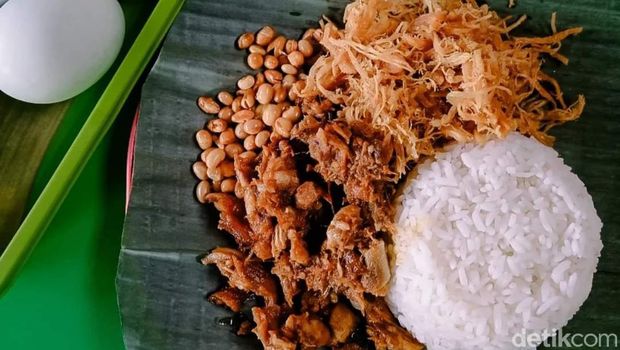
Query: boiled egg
(52,50)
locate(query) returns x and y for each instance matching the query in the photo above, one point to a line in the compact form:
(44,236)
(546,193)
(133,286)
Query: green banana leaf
(162,287)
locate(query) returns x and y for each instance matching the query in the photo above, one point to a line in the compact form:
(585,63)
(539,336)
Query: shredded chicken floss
(426,72)
(313,215)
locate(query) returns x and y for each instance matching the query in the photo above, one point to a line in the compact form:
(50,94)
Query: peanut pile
(261,110)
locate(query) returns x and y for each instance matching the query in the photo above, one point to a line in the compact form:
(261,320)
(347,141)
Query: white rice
(492,241)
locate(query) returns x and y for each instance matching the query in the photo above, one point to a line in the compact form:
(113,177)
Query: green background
(64,297)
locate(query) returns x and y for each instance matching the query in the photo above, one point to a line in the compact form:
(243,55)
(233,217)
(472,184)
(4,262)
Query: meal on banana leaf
(389,183)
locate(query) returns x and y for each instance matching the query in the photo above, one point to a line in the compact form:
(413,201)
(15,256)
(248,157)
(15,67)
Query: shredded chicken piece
(378,277)
(308,195)
(348,346)
(343,229)
(352,156)
(232,298)
(293,223)
(277,169)
(244,273)
(315,302)
(231,218)
(329,146)
(262,227)
(245,328)
(384,330)
(267,328)
(244,168)
(308,329)
(343,322)
(283,268)
(429,72)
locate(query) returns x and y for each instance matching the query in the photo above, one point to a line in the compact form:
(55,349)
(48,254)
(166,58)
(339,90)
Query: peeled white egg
(51,50)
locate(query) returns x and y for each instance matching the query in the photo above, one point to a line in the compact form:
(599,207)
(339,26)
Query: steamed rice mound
(492,239)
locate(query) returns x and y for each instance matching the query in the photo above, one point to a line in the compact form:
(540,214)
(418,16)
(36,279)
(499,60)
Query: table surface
(65,296)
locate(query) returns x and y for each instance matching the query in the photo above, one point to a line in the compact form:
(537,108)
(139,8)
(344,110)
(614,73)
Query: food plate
(78,136)
(161,286)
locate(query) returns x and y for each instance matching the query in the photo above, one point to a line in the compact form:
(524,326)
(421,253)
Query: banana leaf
(162,288)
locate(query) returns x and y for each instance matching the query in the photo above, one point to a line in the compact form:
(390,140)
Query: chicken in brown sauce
(309,213)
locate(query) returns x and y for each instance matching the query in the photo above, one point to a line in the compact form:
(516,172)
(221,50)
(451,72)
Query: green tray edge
(91,134)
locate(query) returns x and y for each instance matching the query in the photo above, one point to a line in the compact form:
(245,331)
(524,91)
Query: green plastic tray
(107,105)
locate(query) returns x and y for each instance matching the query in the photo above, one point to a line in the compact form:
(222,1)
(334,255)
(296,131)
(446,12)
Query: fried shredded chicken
(231,218)
(283,268)
(268,328)
(308,330)
(315,302)
(384,330)
(344,229)
(343,322)
(245,328)
(244,273)
(376,260)
(426,72)
(277,207)
(358,163)
(232,298)
(308,196)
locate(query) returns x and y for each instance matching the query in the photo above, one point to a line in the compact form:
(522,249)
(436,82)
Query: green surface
(97,124)
(64,297)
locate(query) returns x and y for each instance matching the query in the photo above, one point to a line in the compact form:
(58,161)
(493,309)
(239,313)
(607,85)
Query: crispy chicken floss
(423,73)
